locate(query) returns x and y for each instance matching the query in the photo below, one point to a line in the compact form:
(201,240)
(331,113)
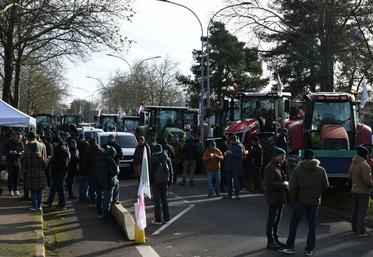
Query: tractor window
(130,124)
(43,119)
(108,120)
(332,113)
(170,118)
(260,108)
(70,119)
(191,119)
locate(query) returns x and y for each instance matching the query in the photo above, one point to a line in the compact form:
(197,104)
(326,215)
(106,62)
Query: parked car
(127,142)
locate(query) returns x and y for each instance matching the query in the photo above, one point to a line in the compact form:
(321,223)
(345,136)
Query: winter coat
(60,160)
(41,149)
(223,147)
(137,156)
(178,150)
(154,162)
(212,163)
(256,155)
(308,181)
(106,171)
(361,176)
(274,184)
(82,148)
(90,158)
(118,149)
(233,160)
(190,151)
(74,161)
(13,159)
(35,175)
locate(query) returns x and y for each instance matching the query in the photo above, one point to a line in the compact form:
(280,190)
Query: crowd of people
(56,163)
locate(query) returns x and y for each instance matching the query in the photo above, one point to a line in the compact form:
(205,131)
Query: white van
(127,142)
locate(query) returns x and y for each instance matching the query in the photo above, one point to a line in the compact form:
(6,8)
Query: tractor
(130,123)
(46,124)
(261,114)
(107,122)
(330,127)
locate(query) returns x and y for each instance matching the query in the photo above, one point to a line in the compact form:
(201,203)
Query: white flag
(144,189)
(141,108)
(120,113)
(365,96)
(280,86)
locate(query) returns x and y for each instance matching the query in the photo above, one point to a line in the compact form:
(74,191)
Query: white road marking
(179,197)
(147,251)
(158,231)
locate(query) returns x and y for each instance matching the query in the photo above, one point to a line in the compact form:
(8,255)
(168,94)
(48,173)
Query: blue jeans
(92,198)
(235,175)
(83,188)
(213,175)
(360,204)
(57,184)
(36,198)
(106,198)
(311,211)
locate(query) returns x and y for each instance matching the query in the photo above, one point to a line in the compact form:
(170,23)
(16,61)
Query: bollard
(139,235)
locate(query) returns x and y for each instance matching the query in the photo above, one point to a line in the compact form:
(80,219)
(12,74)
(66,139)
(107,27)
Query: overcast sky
(158,29)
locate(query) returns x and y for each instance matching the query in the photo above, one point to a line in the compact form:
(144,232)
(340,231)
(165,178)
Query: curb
(40,246)
(124,220)
(344,215)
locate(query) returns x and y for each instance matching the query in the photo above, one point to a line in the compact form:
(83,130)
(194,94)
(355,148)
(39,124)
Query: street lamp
(202,118)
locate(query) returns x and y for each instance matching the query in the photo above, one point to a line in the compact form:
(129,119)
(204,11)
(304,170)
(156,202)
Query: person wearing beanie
(107,183)
(233,165)
(161,172)
(276,186)
(212,158)
(362,185)
(307,183)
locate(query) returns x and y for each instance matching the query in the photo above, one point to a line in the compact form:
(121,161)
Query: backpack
(162,171)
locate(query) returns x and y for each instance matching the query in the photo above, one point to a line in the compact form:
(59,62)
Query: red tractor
(330,127)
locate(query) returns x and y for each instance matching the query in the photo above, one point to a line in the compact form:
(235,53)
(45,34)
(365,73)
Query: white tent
(12,117)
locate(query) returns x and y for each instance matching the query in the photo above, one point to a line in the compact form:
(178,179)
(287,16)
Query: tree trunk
(17,77)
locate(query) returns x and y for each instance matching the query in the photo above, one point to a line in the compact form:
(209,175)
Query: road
(208,227)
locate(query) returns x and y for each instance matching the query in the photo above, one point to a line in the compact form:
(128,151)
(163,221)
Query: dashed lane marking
(147,251)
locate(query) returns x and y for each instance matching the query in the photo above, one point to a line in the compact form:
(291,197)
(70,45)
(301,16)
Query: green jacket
(361,176)
(307,182)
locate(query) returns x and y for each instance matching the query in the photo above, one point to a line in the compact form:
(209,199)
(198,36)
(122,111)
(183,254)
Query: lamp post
(201,103)
(208,52)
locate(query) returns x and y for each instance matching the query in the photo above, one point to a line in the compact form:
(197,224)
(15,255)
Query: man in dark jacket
(14,149)
(137,157)
(106,173)
(161,173)
(190,153)
(177,162)
(111,142)
(83,187)
(256,158)
(281,140)
(233,166)
(276,187)
(308,182)
(59,166)
(73,168)
(223,147)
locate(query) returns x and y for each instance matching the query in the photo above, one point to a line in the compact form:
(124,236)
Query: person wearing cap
(276,186)
(73,167)
(161,172)
(307,183)
(107,186)
(190,154)
(137,157)
(233,165)
(212,158)
(59,166)
(256,158)
(112,142)
(362,185)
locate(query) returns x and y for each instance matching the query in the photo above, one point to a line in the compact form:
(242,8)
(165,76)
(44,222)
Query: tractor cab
(69,123)
(107,122)
(46,123)
(130,123)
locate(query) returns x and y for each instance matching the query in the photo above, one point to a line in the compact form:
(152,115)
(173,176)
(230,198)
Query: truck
(331,127)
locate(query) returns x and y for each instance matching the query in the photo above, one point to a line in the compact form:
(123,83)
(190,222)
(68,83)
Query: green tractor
(167,121)
(107,122)
(46,124)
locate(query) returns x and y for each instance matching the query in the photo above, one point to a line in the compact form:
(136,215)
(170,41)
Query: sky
(158,29)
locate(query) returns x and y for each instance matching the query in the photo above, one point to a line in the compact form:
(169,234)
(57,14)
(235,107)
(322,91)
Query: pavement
(199,226)
(21,230)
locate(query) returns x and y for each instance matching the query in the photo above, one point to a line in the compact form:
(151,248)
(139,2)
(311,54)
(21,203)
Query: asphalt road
(200,227)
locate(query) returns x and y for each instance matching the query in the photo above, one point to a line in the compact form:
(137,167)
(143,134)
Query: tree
(50,29)
(43,87)
(311,44)
(230,62)
(153,84)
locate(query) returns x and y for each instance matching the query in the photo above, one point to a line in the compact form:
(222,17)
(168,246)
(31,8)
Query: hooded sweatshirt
(361,176)
(308,181)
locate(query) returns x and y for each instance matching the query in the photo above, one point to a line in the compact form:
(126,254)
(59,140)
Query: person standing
(73,168)
(223,147)
(106,174)
(49,149)
(362,185)
(137,157)
(59,166)
(190,154)
(83,180)
(161,173)
(256,158)
(233,165)
(35,175)
(276,186)
(212,158)
(177,162)
(281,140)
(14,149)
(307,183)
(118,149)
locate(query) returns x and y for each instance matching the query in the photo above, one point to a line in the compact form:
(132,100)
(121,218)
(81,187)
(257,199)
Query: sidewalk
(21,230)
